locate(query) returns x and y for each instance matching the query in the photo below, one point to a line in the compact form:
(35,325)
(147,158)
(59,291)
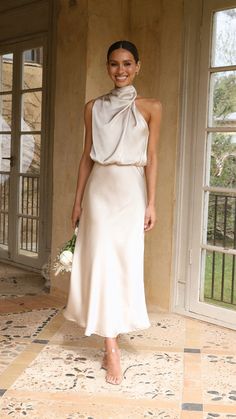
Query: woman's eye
(127,64)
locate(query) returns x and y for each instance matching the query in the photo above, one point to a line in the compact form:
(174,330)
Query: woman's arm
(151,167)
(85,166)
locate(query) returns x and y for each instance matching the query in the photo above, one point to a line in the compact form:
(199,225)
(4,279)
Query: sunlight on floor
(179,368)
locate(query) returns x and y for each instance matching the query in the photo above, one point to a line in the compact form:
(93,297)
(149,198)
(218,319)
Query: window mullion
(223,68)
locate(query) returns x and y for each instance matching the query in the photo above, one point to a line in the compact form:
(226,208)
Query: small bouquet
(63,260)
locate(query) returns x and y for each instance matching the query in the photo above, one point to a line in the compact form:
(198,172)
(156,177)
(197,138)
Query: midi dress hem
(97,332)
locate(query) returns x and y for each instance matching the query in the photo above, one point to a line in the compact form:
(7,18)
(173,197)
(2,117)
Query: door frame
(190,115)
(47,40)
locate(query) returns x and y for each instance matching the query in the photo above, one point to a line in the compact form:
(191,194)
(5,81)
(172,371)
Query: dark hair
(129,46)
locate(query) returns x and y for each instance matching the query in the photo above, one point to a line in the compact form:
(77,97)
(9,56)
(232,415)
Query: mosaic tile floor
(16,282)
(179,368)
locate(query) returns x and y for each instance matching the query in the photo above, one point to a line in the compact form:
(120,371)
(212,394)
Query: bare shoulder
(88,106)
(151,108)
(151,104)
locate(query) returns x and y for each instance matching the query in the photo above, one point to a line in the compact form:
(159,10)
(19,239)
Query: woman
(115,205)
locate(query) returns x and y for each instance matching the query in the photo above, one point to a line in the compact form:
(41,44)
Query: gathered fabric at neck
(123,96)
(119,131)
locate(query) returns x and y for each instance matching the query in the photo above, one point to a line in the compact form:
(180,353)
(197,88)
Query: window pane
(224,38)
(220,277)
(221,220)
(28,236)
(5,151)
(29,196)
(5,112)
(4,202)
(222,103)
(4,192)
(32,68)
(29,212)
(30,153)
(222,151)
(6,67)
(31,111)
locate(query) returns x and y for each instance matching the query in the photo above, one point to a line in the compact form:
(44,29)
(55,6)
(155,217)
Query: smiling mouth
(121,78)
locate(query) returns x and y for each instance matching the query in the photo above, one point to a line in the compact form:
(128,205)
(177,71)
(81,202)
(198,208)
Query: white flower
(63,261)
(66,258)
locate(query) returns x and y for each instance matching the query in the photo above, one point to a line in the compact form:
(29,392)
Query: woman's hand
(76,213)
(150,217)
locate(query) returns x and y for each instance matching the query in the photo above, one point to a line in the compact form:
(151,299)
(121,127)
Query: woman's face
(122,67)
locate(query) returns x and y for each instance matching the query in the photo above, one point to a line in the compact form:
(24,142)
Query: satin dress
(106,295)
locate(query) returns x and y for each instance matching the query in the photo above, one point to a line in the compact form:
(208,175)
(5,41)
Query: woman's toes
(113,367)
(111,379)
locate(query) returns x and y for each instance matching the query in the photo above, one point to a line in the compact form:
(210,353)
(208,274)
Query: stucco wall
(84,33)
(70,92)
(170,67)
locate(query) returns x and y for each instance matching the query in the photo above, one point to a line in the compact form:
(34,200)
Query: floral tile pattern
(218,338)
(25,326)
(9,350)
(162,333)
(35,409)
(219,378)
(213,415)
(177,363)
(71,333)
(147,375)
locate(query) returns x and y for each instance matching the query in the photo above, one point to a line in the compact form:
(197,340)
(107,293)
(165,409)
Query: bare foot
(111,362)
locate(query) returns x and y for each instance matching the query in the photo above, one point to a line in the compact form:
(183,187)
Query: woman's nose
(120,69)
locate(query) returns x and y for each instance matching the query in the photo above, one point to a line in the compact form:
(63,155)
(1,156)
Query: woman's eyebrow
(124,61)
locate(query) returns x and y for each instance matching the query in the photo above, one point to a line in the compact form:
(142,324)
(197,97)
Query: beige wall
(84,33)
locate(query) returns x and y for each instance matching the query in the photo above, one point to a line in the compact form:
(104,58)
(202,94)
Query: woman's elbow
(151,160)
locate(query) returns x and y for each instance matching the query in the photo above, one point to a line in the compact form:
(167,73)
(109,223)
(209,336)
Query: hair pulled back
(129,46)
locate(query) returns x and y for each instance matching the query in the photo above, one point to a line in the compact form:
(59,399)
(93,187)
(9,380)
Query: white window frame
(190,115)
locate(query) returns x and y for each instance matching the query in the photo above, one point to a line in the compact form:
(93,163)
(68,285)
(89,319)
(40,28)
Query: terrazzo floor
(17,282)
(179,368)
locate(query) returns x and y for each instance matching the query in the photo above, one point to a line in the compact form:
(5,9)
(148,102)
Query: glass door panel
(31,111)
(212,233)
(30,146)
(222,109)
(22,132)
(6,82)
(218,238)
(4,210)
(222,160)
(6,72)
(223,52)
(32,71)
(29,218)
(220,287)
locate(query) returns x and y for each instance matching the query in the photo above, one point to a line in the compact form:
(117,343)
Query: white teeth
(121,78)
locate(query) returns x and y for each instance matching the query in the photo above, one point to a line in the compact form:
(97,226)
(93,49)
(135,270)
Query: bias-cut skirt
(107,295)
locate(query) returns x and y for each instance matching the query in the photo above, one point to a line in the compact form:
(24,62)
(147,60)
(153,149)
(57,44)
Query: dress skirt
(107,295)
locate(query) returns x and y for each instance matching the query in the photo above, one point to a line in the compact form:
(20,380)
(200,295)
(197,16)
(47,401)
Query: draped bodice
(119,131)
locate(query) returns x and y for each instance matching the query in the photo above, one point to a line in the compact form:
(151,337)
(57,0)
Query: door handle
(9,158)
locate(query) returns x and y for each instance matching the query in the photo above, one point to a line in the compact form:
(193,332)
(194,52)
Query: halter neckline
(128,92)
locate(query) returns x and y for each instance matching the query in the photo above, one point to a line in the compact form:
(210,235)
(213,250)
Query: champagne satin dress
(106,295)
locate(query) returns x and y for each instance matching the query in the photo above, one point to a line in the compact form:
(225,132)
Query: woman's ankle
(110,343)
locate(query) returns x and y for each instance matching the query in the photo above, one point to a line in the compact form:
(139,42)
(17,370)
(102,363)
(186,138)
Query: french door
(23,153)
(212,249)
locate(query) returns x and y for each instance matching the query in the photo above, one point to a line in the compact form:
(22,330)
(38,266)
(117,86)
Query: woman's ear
(138,65)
